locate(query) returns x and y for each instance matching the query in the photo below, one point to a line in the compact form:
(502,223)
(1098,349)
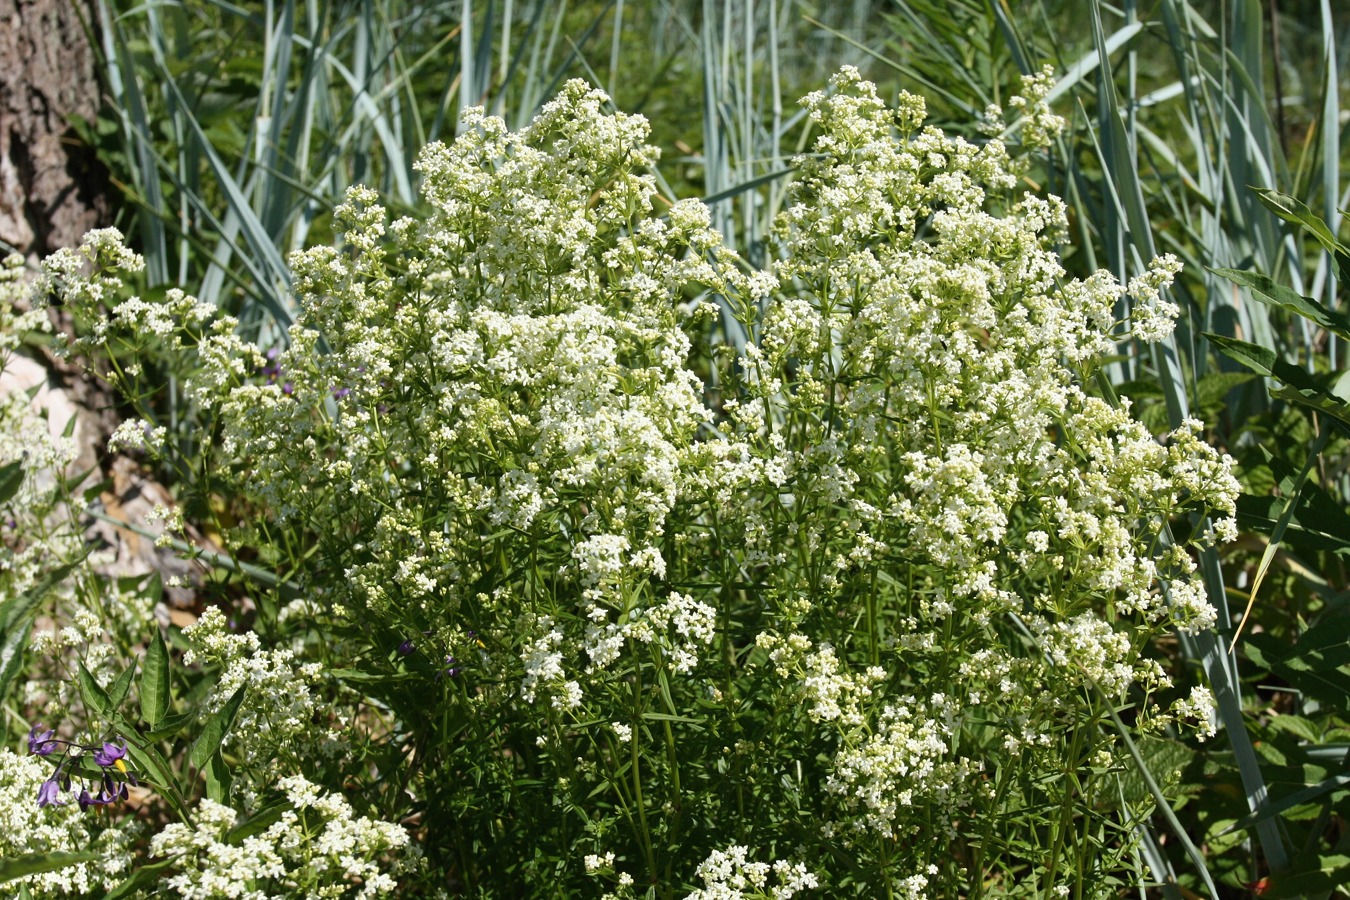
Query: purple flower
(111,754)
(48,792)
(41,743)
(451,668)
(288,389)
(339,393)
(110,793)
(406,648)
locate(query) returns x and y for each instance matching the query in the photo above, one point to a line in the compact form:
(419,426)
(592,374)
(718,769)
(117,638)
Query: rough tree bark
(52,188)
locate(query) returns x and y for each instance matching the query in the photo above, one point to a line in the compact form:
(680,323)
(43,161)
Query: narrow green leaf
(145,875)
(11,479)
(36,863)
(12,647)
(15,608)
(95,698)
(155,681)
(216,728)
(1269,292)
(259,822)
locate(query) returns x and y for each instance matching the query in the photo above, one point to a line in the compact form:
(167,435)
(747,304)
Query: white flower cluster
(34,539)
(24,829)
(882,521)
(16,322)
(315,848)
(730,875)
(275,723)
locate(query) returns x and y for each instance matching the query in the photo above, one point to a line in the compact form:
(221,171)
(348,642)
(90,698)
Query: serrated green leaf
(1214,387)
(155,686)
(11,479)
(216,728)
(36,863)
(95,698)
(1297,726)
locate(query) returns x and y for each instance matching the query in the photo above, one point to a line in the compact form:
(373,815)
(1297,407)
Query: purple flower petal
(41,743)
(48,792)
(109,754)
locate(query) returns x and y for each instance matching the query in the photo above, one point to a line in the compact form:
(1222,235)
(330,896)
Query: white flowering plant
(650,574)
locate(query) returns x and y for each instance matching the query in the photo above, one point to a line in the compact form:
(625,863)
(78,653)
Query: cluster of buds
(110,785)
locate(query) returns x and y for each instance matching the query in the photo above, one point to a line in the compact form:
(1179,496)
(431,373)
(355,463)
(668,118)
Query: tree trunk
(52,188)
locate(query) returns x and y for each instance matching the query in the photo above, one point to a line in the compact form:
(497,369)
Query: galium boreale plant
(855,609)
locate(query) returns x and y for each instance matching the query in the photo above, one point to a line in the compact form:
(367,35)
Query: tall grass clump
(574,602)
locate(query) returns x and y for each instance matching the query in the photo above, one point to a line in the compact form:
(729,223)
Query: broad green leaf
(1260,360)
(1298,385)
(155,681)
(151,766)
(1296,725)
(11,479)
(1309,875)
(1214,387)
(1298,798)
(95,698)
(37,863)
(118,690)
(1314,397)
(216,728)
(169,726)
(1269,292)
(1162,757)
(1291,209)
(1323,647)
(218,778)
(1318,665)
